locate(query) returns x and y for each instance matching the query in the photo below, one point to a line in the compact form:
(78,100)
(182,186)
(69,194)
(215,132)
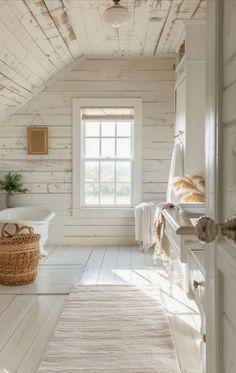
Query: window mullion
(132,164)
(115,185)
(82,171)
(99,174)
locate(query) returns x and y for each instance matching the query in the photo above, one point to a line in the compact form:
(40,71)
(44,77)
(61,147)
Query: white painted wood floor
(27,321)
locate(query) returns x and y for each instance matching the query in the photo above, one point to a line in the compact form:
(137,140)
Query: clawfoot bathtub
(36,217)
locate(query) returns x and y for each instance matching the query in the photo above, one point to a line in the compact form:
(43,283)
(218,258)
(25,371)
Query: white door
(221,184)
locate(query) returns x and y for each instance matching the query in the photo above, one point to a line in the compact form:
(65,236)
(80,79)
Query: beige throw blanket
(163,245)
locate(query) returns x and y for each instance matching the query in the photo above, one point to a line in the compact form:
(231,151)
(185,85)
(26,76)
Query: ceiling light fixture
(116,15)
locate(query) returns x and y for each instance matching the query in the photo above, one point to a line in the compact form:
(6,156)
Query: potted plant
(11,183)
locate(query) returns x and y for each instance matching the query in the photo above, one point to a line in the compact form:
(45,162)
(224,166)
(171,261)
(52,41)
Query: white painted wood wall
(190,96)
(49,177)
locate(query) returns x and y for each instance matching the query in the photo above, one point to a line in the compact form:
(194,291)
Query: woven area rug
(112,329)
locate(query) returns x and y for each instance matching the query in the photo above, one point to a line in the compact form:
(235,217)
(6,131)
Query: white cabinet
(190,96)
(196,262)
(197,289)
(188,265)
(180,233)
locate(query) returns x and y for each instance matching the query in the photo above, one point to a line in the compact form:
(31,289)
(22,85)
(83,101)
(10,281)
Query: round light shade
(116,16)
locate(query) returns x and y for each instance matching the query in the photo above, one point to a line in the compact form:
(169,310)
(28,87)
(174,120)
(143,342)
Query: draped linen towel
(147,213)
(163,245)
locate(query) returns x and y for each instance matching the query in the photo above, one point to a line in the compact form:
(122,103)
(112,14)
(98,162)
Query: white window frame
(78,104)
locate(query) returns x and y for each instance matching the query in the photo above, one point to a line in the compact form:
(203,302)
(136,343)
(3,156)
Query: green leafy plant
(11,183)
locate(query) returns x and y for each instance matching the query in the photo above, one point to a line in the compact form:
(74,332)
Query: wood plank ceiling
(39,38)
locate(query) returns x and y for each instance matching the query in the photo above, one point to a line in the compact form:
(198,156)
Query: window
(107,162)
(106,156)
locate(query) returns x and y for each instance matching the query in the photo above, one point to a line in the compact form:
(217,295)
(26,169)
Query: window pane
(91,171)
(108,129)
(107,171)
(108,148)
(123,194)
(92,148)
(91,194)
(107,193)
(92,129)
(124,129)
(123,171)
(123,148)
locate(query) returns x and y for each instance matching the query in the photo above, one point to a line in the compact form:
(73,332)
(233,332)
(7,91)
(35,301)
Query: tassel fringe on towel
(163,245)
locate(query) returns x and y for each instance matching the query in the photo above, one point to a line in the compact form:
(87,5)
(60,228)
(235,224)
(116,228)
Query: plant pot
(9,200)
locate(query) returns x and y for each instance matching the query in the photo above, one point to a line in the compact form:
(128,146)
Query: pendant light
(116,15)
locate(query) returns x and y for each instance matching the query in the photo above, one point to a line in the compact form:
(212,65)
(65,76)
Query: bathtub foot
(43,252)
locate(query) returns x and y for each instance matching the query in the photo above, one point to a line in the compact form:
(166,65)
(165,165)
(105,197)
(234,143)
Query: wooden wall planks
(49,177)
(42,37)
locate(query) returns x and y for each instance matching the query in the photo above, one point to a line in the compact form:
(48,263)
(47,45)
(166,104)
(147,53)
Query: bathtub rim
(50,215)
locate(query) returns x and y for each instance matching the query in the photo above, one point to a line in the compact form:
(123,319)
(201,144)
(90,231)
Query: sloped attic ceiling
(39,38)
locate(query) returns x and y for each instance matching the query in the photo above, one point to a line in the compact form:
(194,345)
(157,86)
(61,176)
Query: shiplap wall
(49,177)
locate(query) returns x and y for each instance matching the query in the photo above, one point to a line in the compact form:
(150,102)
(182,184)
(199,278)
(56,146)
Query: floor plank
(123,266)
(23,337)
(31,361)
(12,317)
(140,275)
(93,266)
(5,301)
(51,279)
(50,250)
(56,256)
(108,267)
(76,255)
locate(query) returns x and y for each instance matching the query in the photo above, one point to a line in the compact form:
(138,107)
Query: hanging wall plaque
(37,140)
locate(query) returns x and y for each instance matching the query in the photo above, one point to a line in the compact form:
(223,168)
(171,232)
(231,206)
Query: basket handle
(18,229)
(24,227)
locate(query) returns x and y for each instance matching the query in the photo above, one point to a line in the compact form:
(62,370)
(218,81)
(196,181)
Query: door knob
(195,284)
(207,230)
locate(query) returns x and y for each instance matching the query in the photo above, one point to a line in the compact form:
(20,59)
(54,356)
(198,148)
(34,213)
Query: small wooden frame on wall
(37,140)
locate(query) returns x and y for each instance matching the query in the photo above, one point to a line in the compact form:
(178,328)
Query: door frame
(213,131)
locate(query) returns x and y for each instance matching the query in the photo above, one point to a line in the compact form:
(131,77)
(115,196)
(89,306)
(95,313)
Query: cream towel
(138,222)
(176,169)
(163,245)
(144,223)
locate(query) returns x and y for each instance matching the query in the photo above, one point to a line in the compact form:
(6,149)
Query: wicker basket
(19,256)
